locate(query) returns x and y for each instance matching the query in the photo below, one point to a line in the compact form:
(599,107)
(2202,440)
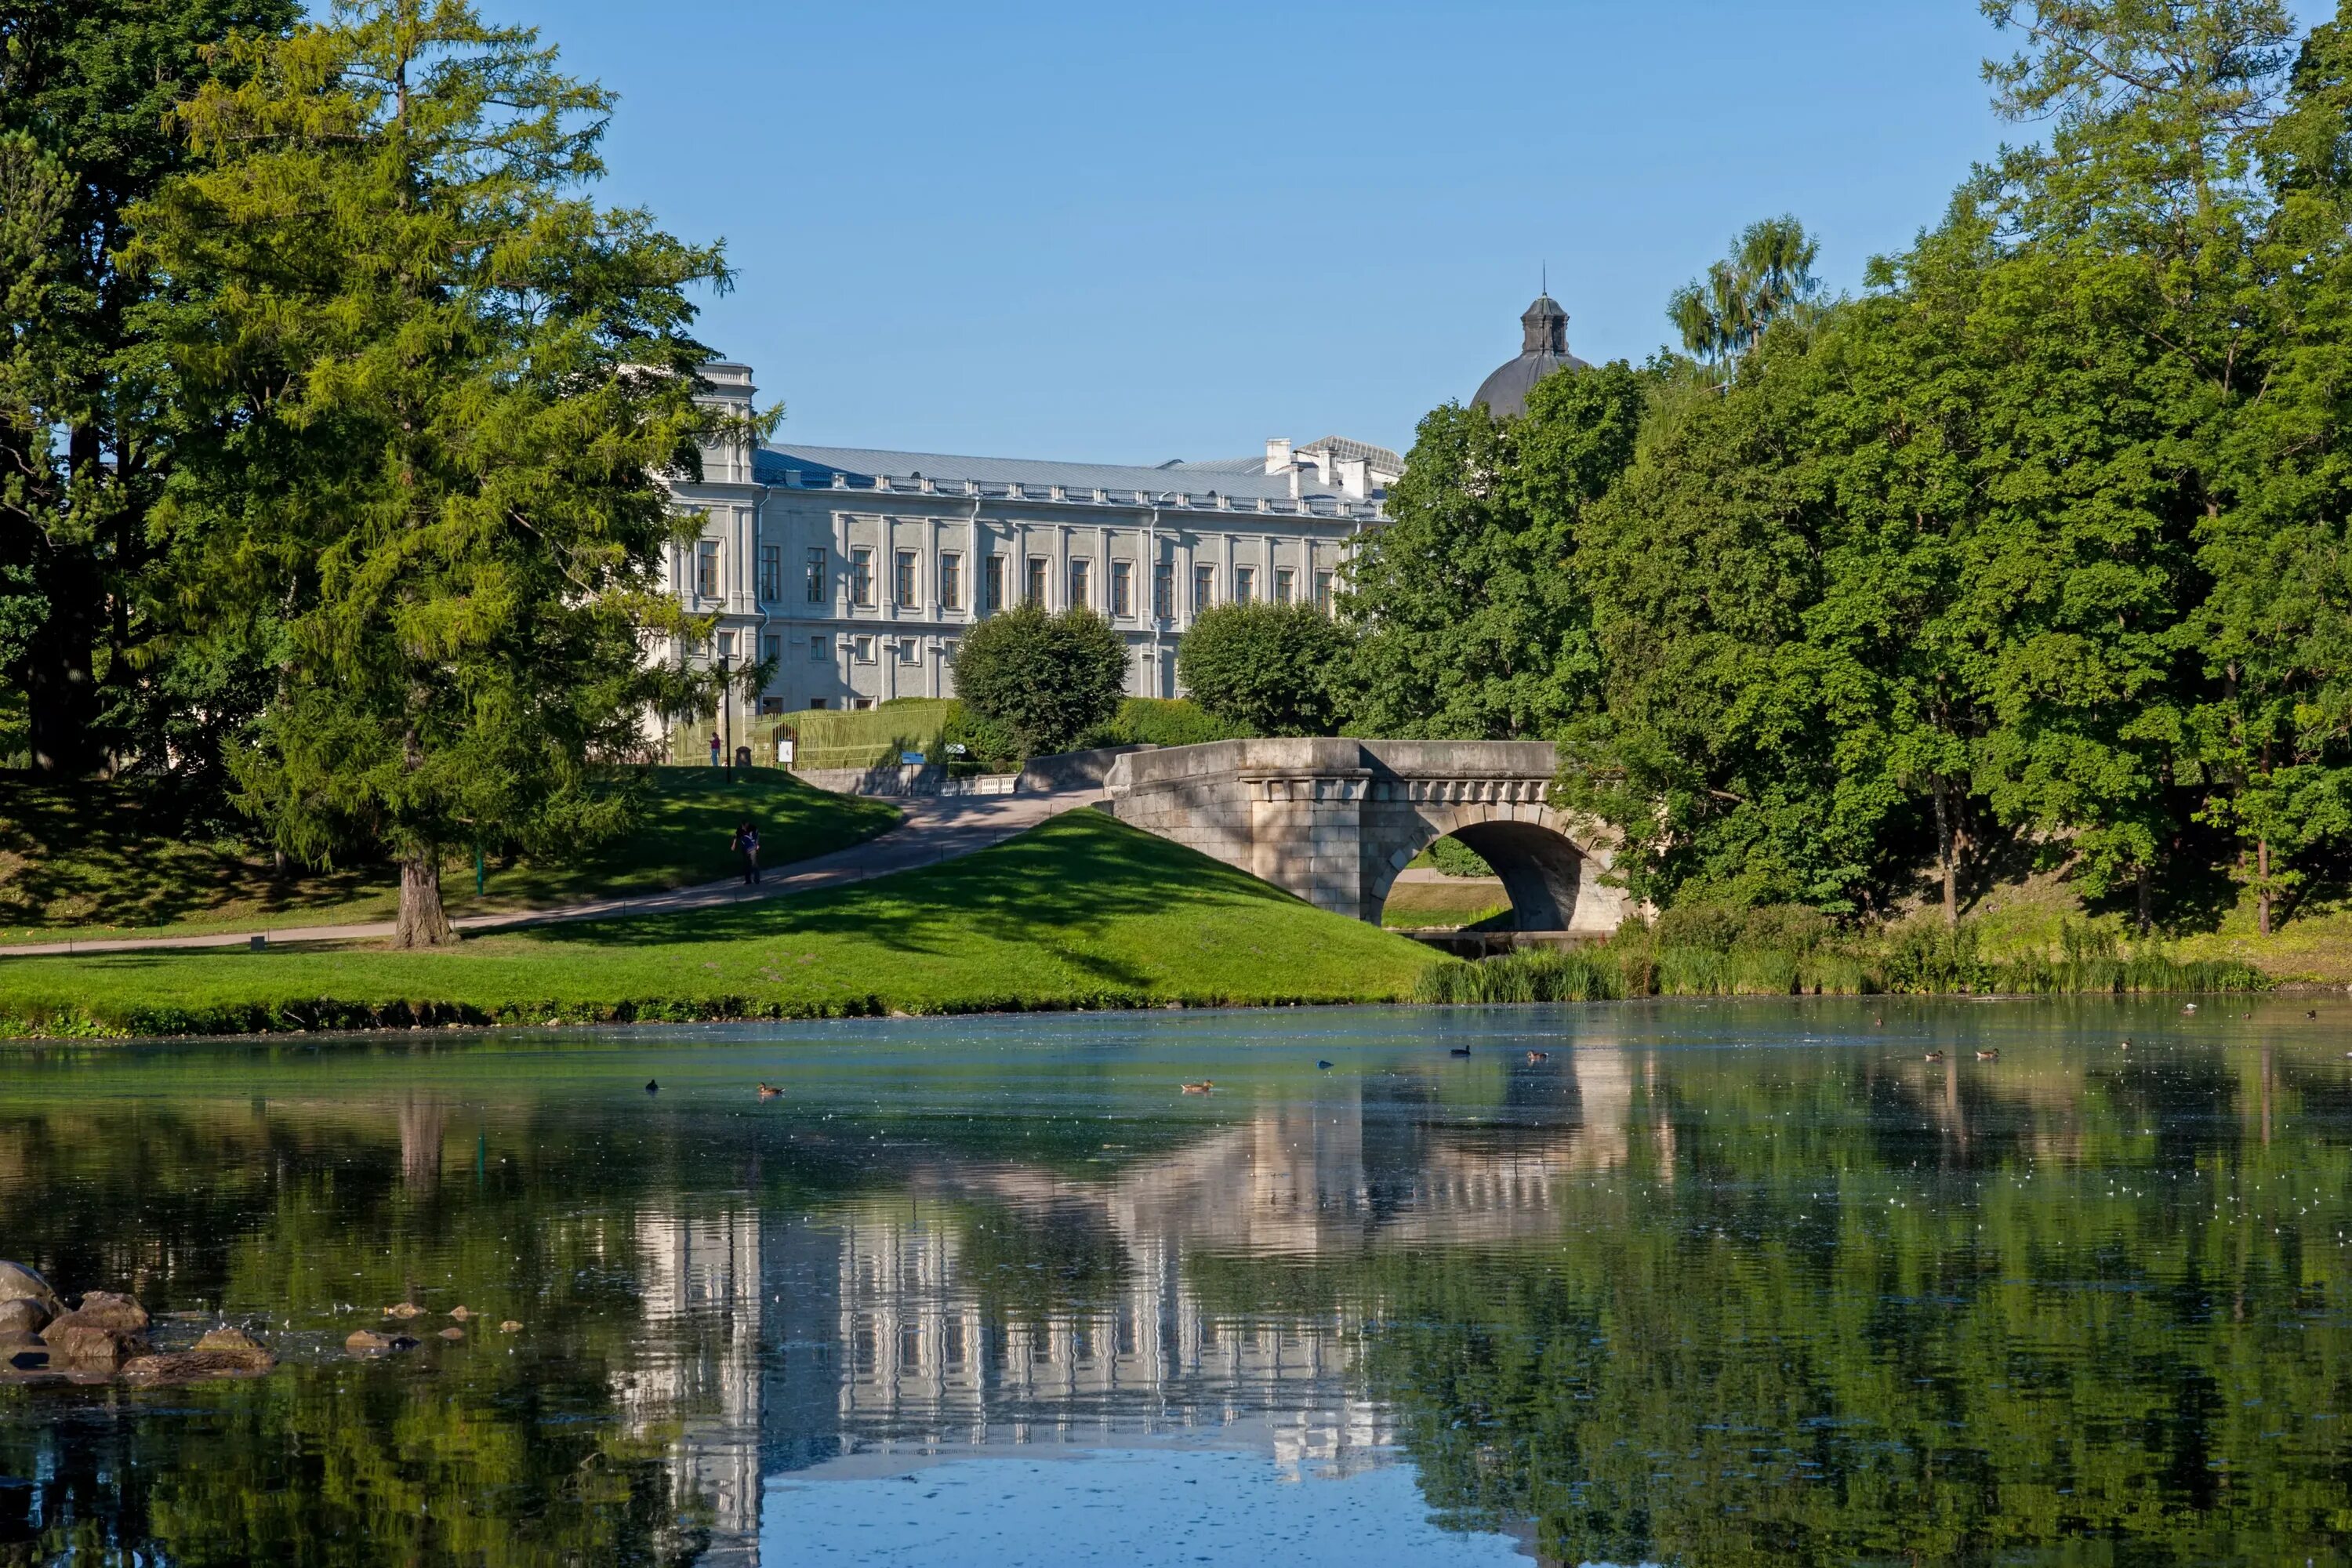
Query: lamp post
(726,719)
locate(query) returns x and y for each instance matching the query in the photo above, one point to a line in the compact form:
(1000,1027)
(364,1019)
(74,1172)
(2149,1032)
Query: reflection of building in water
(924,1365)
(699,1281)
(911,1323)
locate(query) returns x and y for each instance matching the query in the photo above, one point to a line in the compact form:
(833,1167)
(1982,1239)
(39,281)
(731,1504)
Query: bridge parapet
(1335,820)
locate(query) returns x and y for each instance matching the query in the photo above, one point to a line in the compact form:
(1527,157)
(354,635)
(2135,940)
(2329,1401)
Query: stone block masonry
(1335,820)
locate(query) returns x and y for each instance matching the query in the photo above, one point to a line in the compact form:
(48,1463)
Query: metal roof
(1244,479)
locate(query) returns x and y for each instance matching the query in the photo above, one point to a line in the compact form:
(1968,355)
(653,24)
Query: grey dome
(1543,349)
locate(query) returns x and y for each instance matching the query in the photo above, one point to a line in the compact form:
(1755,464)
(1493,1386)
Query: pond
(1697,1283)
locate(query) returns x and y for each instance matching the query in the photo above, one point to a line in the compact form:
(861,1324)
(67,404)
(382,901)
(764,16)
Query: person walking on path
(746,843)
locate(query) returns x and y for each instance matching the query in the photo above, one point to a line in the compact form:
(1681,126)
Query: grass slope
(104,859)
(1081,912)
(1449,905)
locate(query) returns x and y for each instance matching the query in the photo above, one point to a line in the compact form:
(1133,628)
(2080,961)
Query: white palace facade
(857,571)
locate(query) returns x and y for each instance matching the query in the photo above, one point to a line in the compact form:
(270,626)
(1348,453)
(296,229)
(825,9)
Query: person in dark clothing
(746,843)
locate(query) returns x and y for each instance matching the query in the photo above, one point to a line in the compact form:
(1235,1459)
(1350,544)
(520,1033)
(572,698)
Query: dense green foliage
(1081,912)
(1164,721)
(1046,678)
(1473,626)
(1266,668)
(2042,539)
(87,418)
(445,387)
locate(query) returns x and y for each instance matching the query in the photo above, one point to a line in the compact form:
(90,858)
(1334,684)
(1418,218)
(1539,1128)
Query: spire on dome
(1544,329)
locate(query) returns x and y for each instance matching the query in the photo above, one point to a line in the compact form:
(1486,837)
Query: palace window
(950,582)
(1245,584)
(772,572)
(706,568)
(771,649)
(1163,592)
(816,574)
(1204,588)
(1081,569)
(817,702)
(865,647)
(1285,585)
(771,705)
(820,650)
(995,585)
(861,703)
(1323,591)
(1122,589)
(910,651)
(903,588)
(727,645)
(1035,590)
(861,576)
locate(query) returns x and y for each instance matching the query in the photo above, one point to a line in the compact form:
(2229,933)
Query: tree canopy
(1046,679)
(2041,534)
(439,391)
(1266,670)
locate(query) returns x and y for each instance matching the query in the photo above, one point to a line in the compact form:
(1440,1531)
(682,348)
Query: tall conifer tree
(448,385)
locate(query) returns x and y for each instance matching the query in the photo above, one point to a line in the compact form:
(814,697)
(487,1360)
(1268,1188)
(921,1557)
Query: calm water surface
(1715,1283)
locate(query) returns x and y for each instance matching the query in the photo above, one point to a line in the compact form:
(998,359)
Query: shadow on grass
(126,854)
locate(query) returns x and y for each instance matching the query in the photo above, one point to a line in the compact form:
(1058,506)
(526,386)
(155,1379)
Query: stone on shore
(21,1351)
(18,1283)
(367,1341)
(110,1310)
(24,1315)
(97,1346)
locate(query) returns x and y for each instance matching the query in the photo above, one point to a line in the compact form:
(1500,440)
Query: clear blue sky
(1129,233)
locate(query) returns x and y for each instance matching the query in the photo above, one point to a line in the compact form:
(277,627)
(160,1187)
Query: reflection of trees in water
(1823,1352)
(1661,1305)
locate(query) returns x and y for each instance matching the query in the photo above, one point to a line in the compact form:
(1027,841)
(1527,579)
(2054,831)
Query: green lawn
(90,859)
(1452,904)
(1081,912)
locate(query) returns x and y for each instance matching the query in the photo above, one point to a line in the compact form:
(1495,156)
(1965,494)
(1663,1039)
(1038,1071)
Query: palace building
(857,570)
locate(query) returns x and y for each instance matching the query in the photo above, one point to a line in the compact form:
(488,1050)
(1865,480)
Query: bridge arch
(1335,820)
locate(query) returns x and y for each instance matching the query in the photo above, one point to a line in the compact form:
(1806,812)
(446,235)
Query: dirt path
(931,831)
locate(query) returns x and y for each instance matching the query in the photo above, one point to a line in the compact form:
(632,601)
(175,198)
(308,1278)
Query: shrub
(1271,669)
(988,746)
(1456,859)
(1169,722)
(1046,679)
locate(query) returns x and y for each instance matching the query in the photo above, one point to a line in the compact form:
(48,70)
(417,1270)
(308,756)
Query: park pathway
(933,829)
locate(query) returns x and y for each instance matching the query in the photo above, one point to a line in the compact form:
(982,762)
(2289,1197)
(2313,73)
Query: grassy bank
(1081,912)
(1914,963)
(110,859)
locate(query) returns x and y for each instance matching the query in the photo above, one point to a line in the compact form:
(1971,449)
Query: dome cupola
(1543,349)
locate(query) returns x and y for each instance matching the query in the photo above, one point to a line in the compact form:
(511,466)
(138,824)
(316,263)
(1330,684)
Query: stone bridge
(1335,821)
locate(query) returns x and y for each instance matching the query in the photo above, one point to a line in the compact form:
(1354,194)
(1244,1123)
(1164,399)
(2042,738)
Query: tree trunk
(423,922)
(2262,881)
(60,687)
(2146,896)
(1947,853)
